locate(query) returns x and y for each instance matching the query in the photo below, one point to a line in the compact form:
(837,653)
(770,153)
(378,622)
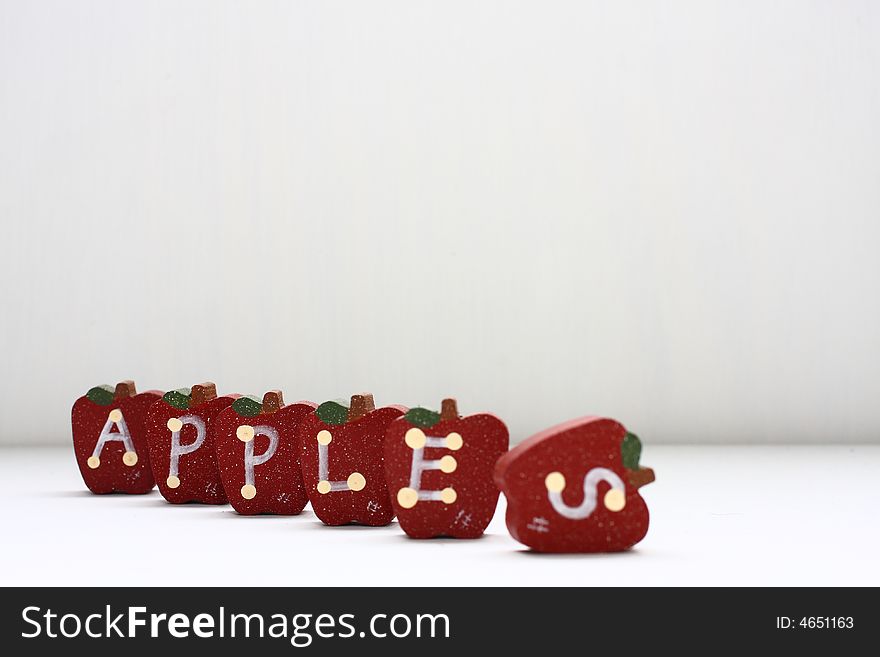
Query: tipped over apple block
(575,488)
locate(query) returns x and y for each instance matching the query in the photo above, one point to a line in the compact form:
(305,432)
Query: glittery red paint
(88,419)
(356,446)
(444,452)
(573,450)
(198,474)
(277,484)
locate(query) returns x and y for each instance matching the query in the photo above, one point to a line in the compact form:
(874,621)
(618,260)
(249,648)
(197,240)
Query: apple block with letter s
(575,488)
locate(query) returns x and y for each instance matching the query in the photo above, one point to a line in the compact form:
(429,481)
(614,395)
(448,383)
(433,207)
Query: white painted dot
(555,482)
(448,464)
(174,424)
(448,495)
(615,500)
(454,441)
(407,497)
(356,481)
(415,438)
(245,433)
(324,437)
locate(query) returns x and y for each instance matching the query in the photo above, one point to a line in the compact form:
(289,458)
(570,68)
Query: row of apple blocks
(571,488)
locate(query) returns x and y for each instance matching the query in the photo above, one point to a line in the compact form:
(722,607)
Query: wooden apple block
(575,488)
(258,455)
(180,436)
(342,458)
(439,467)
(109,438)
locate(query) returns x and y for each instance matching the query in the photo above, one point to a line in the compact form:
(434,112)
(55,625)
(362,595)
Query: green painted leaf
(248,406)
(101,395)
(631,451)
(331,412)
(178,398)
(422,417)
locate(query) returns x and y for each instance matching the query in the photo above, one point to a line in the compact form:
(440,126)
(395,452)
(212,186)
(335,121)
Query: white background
(665,212)
(790,515)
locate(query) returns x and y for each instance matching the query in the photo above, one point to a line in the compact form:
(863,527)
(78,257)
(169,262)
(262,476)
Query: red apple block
(258,456)
(575,488)
(109,438)
(342,458)
(439,467)
(180,436)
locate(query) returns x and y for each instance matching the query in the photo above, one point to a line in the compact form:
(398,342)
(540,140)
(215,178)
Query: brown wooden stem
(448,410)
(124,389)
(640,477)
(360,406)
(201,393)
(272,401)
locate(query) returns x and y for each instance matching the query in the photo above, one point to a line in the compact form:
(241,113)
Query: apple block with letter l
(343,461)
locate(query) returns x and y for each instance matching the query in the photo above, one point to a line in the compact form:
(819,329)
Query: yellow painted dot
(407,497)
(356,481)
(448,495)
(115,415)
(448,464)
(555,482)
(323,487)
(130,458)
(248,491)
(174,424)
(454,441)
(93,462)
(245,433)
(324,437)
(615,500)
(172,482)
(415,438)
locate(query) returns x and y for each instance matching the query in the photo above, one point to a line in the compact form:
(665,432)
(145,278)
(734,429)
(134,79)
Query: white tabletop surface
(720,516)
